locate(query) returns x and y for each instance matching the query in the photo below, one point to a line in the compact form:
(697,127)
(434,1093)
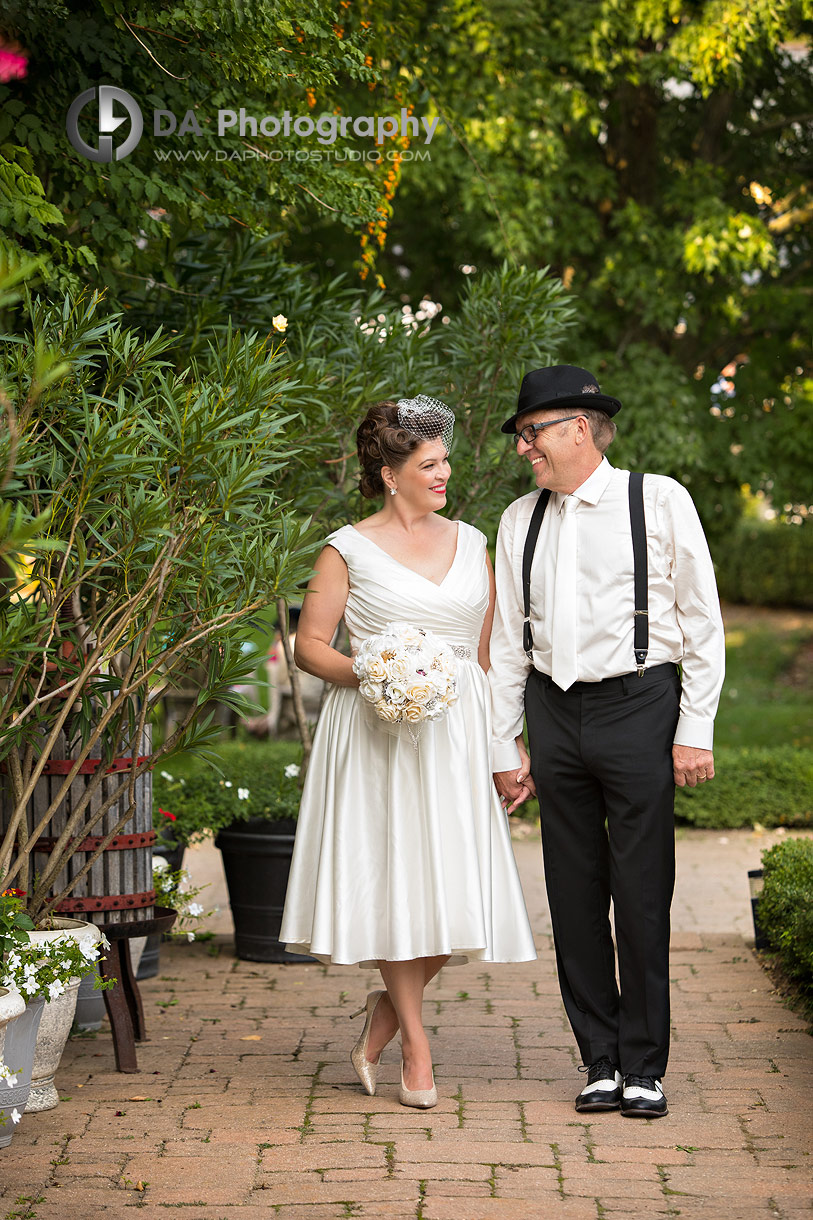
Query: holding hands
(515,786)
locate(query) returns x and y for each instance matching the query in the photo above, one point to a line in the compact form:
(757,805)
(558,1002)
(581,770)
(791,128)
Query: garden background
(190,339)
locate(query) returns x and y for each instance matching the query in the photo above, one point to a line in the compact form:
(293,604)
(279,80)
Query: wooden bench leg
(116,1000)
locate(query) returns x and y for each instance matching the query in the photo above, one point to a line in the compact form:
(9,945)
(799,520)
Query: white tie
(564,670)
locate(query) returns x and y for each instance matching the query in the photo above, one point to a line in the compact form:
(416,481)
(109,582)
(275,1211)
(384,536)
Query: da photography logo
(108,122)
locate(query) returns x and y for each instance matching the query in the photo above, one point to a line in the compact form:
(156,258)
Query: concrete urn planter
(57,1018)
(12,1006)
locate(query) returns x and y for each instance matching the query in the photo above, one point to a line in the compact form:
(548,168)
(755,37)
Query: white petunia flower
(291,771)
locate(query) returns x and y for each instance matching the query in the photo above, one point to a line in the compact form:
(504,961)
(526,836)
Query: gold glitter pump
(365,1070)
(421,1099)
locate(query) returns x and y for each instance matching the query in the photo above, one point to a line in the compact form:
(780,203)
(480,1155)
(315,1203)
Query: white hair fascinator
(427,418)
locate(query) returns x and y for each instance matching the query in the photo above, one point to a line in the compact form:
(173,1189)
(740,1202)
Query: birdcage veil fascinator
(427,418)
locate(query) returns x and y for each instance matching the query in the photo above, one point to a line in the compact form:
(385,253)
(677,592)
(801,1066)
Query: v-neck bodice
(436,583)
(384,590)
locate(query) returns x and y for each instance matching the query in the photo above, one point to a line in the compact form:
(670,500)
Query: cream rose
(385,711)
(413,712)
(371,691)
(420,692)
(376,669)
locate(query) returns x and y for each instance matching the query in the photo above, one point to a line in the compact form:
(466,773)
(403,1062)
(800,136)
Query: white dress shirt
(685,624)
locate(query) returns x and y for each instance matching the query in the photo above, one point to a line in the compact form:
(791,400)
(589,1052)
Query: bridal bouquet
(407,676)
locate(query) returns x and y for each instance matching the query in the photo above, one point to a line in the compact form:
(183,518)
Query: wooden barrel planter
(119,887)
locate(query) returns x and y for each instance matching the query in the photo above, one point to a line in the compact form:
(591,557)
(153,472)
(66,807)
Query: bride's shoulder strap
(341,539)
(477,536)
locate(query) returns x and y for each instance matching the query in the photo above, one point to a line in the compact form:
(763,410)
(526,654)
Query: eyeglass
(528,433)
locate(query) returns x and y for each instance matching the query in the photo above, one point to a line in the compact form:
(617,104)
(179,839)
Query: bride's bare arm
(322,609)
(485,634)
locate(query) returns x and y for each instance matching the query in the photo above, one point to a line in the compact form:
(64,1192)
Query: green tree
(656,155)
(104,222)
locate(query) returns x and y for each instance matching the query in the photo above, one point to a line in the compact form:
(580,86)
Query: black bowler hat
(561,385)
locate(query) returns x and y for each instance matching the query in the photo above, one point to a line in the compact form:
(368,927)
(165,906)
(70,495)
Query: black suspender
(640,640)
(527,560)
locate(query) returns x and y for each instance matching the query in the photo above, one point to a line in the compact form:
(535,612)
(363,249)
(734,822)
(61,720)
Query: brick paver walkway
(246,1106)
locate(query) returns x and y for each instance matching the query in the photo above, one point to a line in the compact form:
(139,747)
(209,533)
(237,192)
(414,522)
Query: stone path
(246,1106)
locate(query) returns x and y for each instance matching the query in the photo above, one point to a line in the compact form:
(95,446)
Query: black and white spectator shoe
(643,1097)
(603,1088)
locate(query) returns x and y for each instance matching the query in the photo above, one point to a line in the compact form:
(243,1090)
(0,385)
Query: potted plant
(44,965)
(250,805)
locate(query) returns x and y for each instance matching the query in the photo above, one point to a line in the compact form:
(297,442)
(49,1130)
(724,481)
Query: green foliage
(123,217)
(15,923)
(145,499)
(785,908)
(769,786)
(345,350)
(767,564)
(654,156)
(204,800)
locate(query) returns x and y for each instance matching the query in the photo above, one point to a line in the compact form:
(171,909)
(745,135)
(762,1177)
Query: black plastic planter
(257,861)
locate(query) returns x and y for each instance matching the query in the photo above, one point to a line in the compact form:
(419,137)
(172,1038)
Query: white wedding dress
(403,852)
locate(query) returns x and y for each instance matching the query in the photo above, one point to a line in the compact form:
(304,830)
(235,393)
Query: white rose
(385,711)
(396,693)
(371,691)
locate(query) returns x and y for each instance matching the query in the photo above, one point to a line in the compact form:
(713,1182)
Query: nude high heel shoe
(365,1070)
(421,1099)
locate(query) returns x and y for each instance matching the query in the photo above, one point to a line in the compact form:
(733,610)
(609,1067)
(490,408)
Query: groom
(604,586)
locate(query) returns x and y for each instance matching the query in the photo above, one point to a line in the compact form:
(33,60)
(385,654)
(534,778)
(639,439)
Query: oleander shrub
(785,908)
(772,786)
(767,564)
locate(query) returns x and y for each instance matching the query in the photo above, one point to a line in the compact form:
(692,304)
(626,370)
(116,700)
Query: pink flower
(13,65)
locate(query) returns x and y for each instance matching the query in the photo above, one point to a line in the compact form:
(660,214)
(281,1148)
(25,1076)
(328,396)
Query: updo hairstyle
(381,441)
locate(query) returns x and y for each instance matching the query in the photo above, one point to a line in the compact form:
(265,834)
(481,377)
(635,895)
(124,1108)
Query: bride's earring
(392,491)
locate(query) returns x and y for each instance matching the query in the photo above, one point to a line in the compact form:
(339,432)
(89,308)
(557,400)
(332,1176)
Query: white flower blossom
(55,989)
(279,323)
(15,1115)
(291,771)
(190,936)
(195,909)
(159,864)
(166,775)
(242,794)
(229,783)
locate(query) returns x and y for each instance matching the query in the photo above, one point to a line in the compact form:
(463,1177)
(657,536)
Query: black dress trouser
(601,759)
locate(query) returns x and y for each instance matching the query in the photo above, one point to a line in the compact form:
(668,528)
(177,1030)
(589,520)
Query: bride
(403,856)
